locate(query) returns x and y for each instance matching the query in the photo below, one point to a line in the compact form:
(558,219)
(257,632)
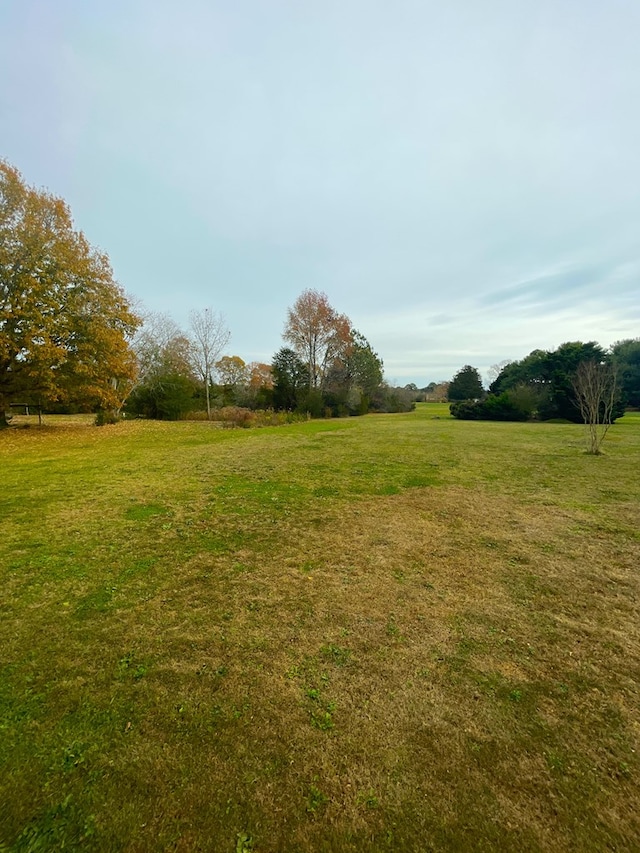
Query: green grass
(397,632)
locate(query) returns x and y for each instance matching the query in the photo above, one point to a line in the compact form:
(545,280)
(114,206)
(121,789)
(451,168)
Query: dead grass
(277,642)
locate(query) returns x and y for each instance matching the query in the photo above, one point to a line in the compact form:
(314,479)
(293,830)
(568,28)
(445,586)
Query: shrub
(312,402)
(200,415)
(391,399)
(234,416)
(268,417)
(106,416)
(466,410)
(503,408)
(163,397)
(495,407)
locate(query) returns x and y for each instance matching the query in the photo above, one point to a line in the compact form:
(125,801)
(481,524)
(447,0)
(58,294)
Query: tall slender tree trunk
(3,411)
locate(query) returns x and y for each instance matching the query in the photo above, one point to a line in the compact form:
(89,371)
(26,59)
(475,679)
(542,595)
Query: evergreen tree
(466,384)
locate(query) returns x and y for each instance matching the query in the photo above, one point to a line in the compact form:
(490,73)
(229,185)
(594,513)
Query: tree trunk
(206,390)
(4,405)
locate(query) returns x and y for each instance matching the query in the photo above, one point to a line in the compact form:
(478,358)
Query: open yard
(389,633)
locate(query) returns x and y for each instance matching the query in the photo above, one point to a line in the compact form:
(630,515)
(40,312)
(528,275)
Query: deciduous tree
(260,388)
(495,370)
(318,334)
(65,324)
(232,371)
(594,385)
(436,392)
(166,381)
(160,344)
(233,377)
(209,336)
(260,375)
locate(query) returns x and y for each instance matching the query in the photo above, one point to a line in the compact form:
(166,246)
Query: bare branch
(209,337)
(595,388)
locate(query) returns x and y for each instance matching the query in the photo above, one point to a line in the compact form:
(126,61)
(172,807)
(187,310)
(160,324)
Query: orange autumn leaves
(318,334)
(64,322)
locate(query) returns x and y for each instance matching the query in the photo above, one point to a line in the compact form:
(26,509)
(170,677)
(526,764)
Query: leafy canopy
(550,374)
(166,382)
(466,384)
(318,335)
(64,322)
(626,357)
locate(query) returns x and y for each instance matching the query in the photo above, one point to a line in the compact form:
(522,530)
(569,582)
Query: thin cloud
(549,289)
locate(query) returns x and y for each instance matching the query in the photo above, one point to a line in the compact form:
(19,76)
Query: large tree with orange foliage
(64,322)
(318,334)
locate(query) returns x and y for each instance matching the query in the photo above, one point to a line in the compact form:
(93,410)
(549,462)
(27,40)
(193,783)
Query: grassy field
(390,633)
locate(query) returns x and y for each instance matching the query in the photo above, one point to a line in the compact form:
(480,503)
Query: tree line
(71,340)
(577,382)
(326,368)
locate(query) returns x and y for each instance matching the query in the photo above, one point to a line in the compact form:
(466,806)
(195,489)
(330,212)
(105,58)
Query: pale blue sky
(461,178)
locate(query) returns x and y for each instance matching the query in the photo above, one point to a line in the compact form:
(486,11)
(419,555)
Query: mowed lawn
(389,633)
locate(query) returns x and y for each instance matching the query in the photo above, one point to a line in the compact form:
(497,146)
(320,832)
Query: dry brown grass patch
(412,650)
(248,653)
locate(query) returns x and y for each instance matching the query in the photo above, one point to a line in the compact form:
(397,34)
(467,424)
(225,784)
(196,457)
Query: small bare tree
(495,370)
(594,385)
(158,338)
(209,336)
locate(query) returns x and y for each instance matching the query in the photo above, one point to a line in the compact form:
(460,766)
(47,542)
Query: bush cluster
(230,417)
(106,416)
(498,407)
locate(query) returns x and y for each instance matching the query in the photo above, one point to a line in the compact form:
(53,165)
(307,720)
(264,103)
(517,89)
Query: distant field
(389,633)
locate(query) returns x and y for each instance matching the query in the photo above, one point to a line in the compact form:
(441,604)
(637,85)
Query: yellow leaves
(232,370)
(65,321)
(260,375)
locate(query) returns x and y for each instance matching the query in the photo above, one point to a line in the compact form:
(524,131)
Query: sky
(461,178)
